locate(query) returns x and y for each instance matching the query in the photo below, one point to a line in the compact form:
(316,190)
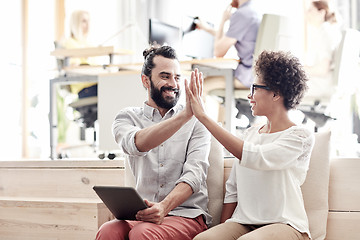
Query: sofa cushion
(215,180)
(316,186)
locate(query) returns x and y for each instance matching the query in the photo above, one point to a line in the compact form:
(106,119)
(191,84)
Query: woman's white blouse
(266,182)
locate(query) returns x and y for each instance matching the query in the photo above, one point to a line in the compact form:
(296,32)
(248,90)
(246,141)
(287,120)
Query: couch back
(316,186)
(215,181)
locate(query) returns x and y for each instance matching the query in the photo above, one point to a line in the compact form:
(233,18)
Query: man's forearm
(151,137)
(177,196)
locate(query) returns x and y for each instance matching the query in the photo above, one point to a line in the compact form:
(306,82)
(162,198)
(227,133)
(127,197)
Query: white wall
(10,97)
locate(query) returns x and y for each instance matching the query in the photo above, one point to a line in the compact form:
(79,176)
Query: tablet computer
(123,202)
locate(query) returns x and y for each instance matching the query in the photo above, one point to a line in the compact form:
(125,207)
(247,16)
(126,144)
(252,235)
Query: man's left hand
(155,213)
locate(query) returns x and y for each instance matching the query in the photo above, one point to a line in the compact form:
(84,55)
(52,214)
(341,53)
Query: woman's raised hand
(194,91)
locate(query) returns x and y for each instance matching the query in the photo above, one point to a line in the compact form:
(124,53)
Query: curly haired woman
(263,197)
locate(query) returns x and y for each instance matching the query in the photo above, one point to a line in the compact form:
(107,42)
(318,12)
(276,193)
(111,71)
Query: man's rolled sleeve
(124,131)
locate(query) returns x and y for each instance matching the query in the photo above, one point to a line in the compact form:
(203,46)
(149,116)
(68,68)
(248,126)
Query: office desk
(66,54)
(115,91)
(120,89)
(209,67)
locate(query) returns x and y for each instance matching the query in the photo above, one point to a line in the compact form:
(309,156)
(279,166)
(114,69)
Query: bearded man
(167,150)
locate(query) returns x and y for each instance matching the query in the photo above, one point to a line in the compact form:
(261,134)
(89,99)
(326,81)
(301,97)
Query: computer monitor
(164,34)
(196,43)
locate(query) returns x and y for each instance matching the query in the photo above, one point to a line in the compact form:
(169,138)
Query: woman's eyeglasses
(254,86)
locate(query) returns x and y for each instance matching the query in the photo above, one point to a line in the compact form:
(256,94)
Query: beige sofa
(48,199)
(331,191)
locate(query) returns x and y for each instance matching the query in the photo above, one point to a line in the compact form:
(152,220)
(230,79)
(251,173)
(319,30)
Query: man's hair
(153,51)
(283,74)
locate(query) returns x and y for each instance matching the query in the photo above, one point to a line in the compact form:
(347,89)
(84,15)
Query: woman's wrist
(202,117)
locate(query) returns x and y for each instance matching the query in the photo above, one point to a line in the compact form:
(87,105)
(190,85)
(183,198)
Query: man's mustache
(176,90)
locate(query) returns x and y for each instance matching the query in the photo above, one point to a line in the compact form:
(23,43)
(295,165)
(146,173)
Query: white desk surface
(222,63)
(89,52)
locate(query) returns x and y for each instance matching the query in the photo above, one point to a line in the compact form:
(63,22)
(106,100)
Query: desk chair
(344,74)
(87,106)
(274,34)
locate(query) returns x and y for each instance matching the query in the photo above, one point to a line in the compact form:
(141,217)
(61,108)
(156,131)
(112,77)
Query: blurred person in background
(79,31)
(241,34)
(323,36)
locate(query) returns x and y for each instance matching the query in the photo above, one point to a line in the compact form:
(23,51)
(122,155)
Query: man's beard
(167,102)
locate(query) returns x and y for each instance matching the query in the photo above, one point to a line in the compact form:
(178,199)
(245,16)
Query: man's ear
(145,81)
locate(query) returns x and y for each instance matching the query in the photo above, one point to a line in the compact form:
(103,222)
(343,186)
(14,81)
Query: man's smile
(170,91)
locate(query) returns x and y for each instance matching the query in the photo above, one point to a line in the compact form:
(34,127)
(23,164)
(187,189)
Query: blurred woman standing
(323,38)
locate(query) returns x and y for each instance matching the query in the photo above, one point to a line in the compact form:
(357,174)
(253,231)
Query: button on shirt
(181,158)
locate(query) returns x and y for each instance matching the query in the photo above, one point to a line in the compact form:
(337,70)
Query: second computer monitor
(187,40)
(196,43)
(162,33)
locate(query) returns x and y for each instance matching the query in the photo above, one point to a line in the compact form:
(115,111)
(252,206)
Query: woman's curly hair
(283,74)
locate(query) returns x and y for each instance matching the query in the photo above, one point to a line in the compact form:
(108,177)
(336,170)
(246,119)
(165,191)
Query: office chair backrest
(274,34)
(346,61)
